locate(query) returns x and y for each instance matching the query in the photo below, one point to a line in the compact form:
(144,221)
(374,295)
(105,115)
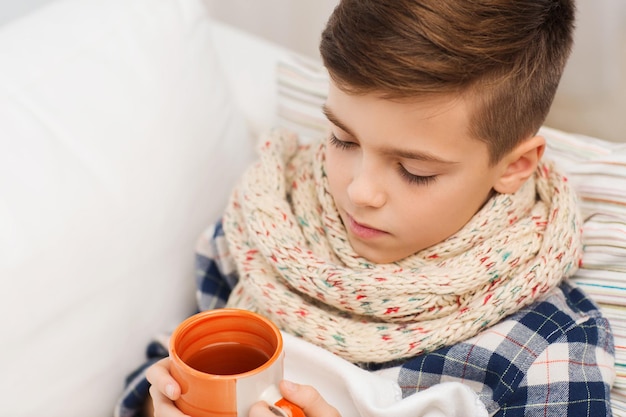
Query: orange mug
(225,360)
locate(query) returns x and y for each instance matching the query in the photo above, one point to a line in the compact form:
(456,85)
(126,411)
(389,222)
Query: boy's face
(404,176)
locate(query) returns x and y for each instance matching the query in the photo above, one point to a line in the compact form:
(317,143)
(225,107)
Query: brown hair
(507,55)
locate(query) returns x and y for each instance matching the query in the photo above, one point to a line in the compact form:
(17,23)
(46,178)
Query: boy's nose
(367,190)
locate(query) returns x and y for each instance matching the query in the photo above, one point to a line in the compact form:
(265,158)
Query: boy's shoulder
(556,316)
(553,345)
(566,315)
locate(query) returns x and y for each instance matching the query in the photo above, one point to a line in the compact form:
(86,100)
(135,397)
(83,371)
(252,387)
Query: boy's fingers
(261,409)
(159,377)
(309,399)
(162,406)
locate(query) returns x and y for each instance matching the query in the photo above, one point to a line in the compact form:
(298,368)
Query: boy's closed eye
(406,175)
(415,179)
(341,144)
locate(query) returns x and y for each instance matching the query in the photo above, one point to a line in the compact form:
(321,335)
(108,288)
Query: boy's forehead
(340,103)
(430,130)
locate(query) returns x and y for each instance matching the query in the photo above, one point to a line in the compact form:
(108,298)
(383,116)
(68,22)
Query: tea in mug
(227,359)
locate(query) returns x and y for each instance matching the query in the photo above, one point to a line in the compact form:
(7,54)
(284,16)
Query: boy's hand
(164,390)
(304,396)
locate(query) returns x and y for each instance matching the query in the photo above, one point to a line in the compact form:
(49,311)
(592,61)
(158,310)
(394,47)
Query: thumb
(308,399)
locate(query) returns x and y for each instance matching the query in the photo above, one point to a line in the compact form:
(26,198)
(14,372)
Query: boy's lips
(362,230)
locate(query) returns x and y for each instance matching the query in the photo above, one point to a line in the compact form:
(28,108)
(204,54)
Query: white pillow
(119,144)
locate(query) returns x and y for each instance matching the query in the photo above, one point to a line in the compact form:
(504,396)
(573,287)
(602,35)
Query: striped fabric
(597,168)
(302,86)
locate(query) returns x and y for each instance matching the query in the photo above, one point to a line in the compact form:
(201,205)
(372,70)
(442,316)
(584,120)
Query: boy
(424,238)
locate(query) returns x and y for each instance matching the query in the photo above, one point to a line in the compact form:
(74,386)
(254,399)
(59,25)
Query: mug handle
(286,408)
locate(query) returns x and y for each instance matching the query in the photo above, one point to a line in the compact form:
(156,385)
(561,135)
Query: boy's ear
(520,164)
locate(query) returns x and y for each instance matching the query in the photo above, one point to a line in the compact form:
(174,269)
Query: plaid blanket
(553,358)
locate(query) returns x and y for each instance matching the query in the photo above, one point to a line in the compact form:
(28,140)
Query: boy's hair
(505,56)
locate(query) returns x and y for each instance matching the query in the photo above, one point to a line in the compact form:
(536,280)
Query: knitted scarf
(296,266)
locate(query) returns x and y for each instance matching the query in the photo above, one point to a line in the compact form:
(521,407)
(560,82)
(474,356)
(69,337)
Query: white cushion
(119,144)
(250,66)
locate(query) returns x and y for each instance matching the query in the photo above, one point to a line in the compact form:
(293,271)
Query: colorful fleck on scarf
(297,267)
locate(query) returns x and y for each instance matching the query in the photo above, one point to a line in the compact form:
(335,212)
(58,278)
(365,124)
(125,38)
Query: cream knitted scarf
(296,266)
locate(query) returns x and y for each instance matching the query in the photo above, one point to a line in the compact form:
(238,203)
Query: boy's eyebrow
(403,153)
(334,120)
(418,156)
